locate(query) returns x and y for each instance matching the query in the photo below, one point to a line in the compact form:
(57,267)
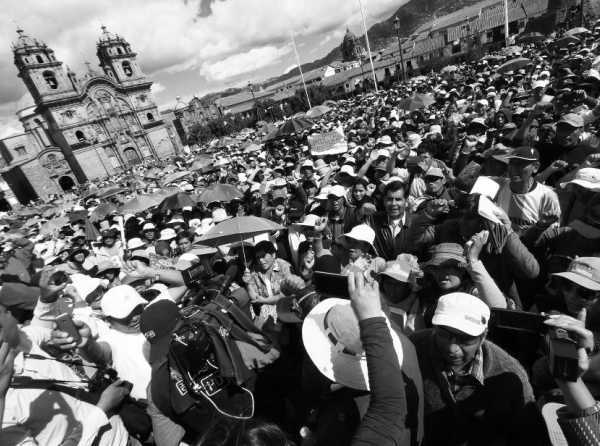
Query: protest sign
(330,143)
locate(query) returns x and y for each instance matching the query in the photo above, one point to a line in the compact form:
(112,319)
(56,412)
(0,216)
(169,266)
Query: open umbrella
(102,211)
(317,111)
(175,176)
(449,69)
(111,192)
(252,148)
(416,102)
(29,212)
(494,58)
(291,126)
(237,229)
(577,31)
(531,37)
(140,204)
(54,225)
(514,64)
(175,201)
(219,192)
(563,42)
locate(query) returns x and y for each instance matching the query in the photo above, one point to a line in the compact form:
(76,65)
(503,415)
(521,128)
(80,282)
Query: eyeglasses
(584,293)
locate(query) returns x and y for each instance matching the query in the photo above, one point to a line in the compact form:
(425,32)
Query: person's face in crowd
(356,249)
(520,174)
(252,164)
(279,210)
(358,192)
(109,242)
(311,191)
(567,136)
(500,120)
(111,275)
(79,257)
(307,173)
(335,203)
(130,323)
(447,277)
(394,204)
(434,185)
(577,297)
(457,349)
(394,291)
(184,244)
(547,135)
(264,261)
(149,235)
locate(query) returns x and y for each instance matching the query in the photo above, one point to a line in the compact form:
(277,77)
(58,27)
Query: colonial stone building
(81,127)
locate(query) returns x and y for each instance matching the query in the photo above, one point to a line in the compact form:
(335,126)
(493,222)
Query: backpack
(203,376)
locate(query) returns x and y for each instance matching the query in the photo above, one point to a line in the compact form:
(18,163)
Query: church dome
(25,42)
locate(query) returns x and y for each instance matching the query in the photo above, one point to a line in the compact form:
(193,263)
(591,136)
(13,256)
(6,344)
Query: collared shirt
(473,376)
(397,225)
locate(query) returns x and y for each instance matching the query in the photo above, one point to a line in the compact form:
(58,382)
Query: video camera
(205,285)
(560,346)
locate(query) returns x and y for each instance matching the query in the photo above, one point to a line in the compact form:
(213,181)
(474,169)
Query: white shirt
(47,417)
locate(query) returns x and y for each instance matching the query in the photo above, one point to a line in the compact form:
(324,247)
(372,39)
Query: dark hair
(264,434)
(394,186)
(361,180)
(184,235)
(264,247)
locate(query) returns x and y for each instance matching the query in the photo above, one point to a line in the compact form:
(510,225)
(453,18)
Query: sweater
(499,410)
(388,421)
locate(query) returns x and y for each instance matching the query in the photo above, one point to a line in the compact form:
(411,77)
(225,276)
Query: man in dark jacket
(391,226)
(475,392)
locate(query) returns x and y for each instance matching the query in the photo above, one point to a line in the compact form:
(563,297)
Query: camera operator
(580,419)
(46,402)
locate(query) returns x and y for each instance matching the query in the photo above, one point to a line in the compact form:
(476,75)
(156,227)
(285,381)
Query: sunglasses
(584,293)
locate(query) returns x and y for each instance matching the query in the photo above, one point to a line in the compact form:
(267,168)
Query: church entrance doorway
(131,156)
(66,182)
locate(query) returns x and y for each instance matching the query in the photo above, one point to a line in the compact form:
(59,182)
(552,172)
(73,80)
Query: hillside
(412,15)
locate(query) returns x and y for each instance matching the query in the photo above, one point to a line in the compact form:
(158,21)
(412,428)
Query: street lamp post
(251,88)
(397,28)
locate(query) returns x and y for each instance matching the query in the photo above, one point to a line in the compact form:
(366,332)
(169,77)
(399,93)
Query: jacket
(386,244)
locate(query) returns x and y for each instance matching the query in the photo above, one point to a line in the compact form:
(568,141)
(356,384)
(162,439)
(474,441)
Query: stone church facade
(81,127)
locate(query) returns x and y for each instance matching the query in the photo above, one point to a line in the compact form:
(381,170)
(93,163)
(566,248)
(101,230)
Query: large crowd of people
(434,280)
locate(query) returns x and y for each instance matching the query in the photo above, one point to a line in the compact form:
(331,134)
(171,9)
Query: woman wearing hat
(110,248)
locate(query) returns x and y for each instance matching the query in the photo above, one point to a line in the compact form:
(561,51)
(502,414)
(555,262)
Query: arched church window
(119,50)
(50,79)
(39,58)
(150,116)
(80,136)
(26,60)
(127,68)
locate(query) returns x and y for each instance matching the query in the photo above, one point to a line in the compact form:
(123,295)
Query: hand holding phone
(64,323)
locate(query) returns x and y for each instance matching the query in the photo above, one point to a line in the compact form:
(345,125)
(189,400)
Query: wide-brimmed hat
(119,302)
(106,266)
(446,253)
(167,234)
(135,243)
(331,337)
(405,267)
(148,227)
(588,178)
(362,233)
(78,250)
(584,271)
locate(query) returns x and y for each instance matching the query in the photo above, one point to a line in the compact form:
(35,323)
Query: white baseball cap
(462,312)
(119,302)
(588,178)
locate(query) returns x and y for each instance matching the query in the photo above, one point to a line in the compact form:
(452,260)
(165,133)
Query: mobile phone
(331,284)
(64,322)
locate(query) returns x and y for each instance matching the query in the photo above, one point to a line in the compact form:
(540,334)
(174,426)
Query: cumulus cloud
(157,87)
(221,41)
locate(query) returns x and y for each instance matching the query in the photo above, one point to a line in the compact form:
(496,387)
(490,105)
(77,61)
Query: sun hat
(588,178)
(135,243)
(307,164)
(337,190)
(443,253)
(219,215)
(348,170)
(310,220)
(157,323)
(148,227)
(118,302)
(362,233)
(462,312)
(584,271)
(167,234)
(323,193)
(331,337)
(279,182)
(572,119)
(384,140)
(434,172)
(525,153)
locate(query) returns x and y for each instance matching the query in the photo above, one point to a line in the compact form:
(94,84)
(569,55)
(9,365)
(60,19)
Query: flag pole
(506,34)
(300,68)
(362,13)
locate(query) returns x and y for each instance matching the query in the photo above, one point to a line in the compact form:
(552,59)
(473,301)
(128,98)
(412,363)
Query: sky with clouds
(186,47)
